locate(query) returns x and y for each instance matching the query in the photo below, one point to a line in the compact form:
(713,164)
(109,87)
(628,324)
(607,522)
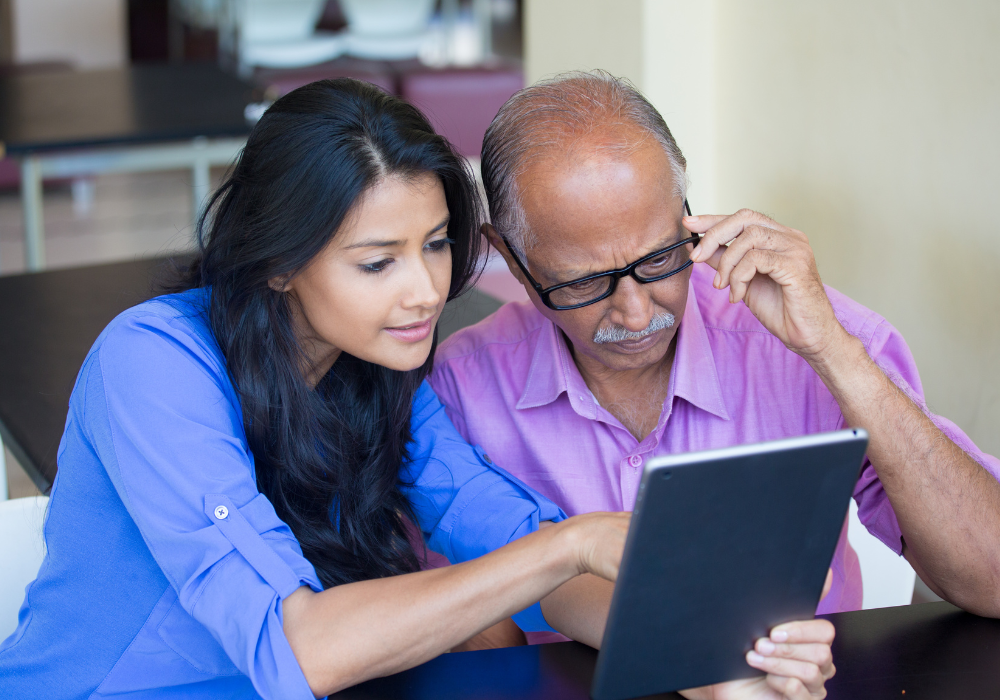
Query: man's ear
(494,238)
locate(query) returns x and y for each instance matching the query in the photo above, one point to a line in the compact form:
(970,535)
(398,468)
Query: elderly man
(646,335)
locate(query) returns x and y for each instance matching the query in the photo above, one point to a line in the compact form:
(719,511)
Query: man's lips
(641,344)
(413,333)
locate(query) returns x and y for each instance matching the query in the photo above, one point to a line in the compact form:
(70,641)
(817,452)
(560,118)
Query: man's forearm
(947,504)
(579,608)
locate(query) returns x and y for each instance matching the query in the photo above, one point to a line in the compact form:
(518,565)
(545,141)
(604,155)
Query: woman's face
(377,289)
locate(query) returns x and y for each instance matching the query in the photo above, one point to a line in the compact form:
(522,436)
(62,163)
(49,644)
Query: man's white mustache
(616,334)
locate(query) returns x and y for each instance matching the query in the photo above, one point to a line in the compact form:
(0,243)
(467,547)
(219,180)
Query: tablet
(723,546)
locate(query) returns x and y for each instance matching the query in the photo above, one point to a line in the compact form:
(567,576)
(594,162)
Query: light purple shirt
(510,385)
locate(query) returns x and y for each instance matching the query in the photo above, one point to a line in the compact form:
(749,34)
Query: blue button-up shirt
(165,566)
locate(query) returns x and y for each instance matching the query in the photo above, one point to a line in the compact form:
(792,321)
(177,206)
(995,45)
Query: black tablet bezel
(692,594)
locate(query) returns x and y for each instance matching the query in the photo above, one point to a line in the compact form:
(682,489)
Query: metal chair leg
(4,494)
(31,202)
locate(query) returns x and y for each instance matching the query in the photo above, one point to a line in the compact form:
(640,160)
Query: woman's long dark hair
(328,458)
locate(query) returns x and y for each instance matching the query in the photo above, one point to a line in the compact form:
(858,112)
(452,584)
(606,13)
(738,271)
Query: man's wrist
(840,362)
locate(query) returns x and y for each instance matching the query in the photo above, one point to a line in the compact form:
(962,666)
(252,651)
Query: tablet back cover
(720,550)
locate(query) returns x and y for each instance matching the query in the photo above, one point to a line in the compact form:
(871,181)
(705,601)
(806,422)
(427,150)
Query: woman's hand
(599,540)
(798,662)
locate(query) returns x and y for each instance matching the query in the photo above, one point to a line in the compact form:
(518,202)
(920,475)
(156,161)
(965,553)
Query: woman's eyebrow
(372,243)
(378,243)
(439,226)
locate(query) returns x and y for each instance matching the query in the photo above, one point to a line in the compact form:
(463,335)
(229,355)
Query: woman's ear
(279,283)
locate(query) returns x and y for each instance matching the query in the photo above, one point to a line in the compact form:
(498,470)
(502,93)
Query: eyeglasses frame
(615,275)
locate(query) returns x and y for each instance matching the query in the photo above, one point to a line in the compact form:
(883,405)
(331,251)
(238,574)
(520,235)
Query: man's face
(595,209)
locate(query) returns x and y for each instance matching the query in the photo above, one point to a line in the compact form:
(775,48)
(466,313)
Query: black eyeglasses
(592,288)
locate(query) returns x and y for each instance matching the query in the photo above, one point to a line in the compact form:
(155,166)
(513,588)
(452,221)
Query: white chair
(22,548)
(272,33)
(888,579)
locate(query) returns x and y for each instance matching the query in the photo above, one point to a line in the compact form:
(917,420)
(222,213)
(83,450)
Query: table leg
(200,180)
(31,203)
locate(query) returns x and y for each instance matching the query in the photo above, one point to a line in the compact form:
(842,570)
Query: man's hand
(772,269)
(797,659)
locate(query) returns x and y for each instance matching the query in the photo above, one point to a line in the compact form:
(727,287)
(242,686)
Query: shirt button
(221,513)
(487,459)
(635,460)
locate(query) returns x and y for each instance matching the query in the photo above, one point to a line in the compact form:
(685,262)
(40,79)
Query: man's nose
(632,304)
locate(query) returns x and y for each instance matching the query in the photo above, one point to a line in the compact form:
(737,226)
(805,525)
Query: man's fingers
(792,688)
(804,632)
(724,229)
(806,673)
(754,262)
(715,258)
(702,222)
(752,238)
(818,654)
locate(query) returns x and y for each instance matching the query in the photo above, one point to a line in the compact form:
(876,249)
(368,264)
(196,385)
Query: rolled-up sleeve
(889,350)
(166,424)
(465,504)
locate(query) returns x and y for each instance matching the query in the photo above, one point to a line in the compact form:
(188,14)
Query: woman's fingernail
(755,658)
(779,636)
(765,646)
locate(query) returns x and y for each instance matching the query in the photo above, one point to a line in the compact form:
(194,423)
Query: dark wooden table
(61,110)
(49,320)
(66,124)
(918,652)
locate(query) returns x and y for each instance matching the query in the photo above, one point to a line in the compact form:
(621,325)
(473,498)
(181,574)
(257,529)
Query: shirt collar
(694,375)
(552,369)
(694,379)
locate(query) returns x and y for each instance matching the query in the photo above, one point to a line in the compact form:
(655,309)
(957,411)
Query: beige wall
(87,33)
(872,125)
(581,35)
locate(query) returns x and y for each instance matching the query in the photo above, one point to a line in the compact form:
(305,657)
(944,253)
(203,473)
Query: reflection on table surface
(933,651)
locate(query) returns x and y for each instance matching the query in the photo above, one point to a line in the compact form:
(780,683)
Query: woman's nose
(423,291)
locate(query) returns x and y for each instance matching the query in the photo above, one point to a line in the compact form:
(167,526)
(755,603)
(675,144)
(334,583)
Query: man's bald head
(573,110)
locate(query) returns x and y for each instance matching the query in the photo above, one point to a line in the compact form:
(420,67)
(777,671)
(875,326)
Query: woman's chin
(402,359)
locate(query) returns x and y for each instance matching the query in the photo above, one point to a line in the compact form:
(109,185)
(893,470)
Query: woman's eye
(378,266)
(439,244)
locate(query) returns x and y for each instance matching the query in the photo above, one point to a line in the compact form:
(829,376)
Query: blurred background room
(871,125)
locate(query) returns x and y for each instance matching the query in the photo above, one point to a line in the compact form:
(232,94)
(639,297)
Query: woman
(242,458)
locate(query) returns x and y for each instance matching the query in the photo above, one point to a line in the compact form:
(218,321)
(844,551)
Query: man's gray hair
(551,114)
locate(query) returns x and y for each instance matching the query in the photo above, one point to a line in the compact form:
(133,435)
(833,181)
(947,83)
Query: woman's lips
(414,333)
